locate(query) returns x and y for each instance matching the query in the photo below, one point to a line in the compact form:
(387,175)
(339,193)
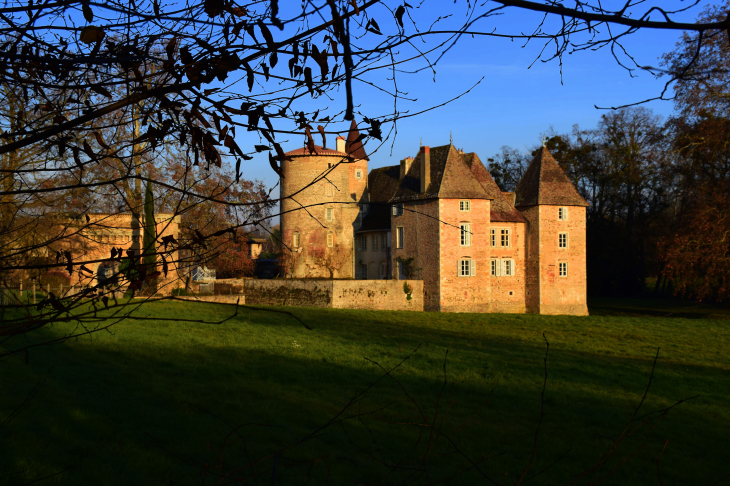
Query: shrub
(55,278)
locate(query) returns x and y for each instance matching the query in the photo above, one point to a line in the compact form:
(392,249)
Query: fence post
(48,290)
(33,293)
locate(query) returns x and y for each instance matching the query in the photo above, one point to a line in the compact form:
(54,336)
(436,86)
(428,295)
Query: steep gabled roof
(502,209)
(451,178)
(318,150)
(544,182)
(353,146)
(382,184)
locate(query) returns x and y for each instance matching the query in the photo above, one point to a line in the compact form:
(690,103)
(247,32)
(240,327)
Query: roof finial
(451,137)
(421,142)
(544,141)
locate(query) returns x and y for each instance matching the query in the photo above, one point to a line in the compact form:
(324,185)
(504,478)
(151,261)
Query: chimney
(405,166)
(425,168)
(340,144)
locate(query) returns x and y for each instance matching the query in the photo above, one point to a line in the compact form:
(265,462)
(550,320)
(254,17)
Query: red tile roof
(545,183)
(318,150)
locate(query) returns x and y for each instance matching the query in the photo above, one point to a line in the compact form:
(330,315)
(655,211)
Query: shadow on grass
(657,308)
(149,406)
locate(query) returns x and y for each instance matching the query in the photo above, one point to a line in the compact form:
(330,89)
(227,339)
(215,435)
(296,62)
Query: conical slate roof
(545,183)
(353,146)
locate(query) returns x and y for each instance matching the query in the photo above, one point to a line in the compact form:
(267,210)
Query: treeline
(659,189)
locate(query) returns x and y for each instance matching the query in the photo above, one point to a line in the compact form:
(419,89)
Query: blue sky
(513,105)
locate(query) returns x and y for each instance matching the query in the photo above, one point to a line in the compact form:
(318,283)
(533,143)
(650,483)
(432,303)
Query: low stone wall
(223,299)
(290,291)
(378,294)
(339,294)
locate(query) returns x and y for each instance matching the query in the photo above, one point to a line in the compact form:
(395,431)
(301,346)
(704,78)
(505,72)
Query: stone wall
(339,294)
(508,292)
(472,293)
(341,193)
(378,294)
(563,295)
(420,250)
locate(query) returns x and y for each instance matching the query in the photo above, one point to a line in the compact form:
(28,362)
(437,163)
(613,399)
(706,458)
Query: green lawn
(155,400)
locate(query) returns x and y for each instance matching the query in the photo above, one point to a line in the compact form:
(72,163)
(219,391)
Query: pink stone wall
(508,292)
(421,243)
(314,258)
(464,294)
(563,295)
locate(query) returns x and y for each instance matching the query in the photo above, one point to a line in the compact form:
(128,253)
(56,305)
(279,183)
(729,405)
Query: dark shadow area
(157,400)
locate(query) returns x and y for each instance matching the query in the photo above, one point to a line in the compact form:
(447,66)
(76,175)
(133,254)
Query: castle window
(295,242)
(504,267)
(466,268)
(330,214)
(358,174)
(493,237)
(508,267)
(364,271)
(330,240)
(401,270)
(563,214)
(562,240)
(383,242)
(464,205)
(375,242)
(397,210)
(563,266)
(465,234)
(399,237)
(329,188)
(383,270)
(504,237)
(363,242)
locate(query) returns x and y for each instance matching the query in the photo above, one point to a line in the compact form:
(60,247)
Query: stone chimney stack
(405,166)
(425,168)
(340,144)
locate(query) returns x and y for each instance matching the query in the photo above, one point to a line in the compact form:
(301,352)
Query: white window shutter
(503,265)
(473,267)
(499,267)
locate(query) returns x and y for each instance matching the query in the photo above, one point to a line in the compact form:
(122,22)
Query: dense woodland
(659,189)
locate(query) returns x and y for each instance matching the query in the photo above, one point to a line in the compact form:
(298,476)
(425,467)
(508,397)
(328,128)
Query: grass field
(155,400)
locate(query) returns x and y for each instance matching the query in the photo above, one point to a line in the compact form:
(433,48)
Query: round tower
(322,192)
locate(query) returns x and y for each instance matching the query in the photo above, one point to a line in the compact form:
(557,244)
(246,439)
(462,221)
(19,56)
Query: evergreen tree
(149,238)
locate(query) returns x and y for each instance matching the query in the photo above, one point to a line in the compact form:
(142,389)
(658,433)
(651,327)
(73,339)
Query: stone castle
(439,218)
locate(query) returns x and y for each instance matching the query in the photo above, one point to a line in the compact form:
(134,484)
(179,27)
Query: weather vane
(451,137)
(544,141)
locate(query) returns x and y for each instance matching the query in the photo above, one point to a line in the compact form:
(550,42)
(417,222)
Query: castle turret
(321,191)
(556,238)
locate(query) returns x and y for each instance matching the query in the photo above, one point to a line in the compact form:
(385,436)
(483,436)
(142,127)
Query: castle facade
(440,218)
